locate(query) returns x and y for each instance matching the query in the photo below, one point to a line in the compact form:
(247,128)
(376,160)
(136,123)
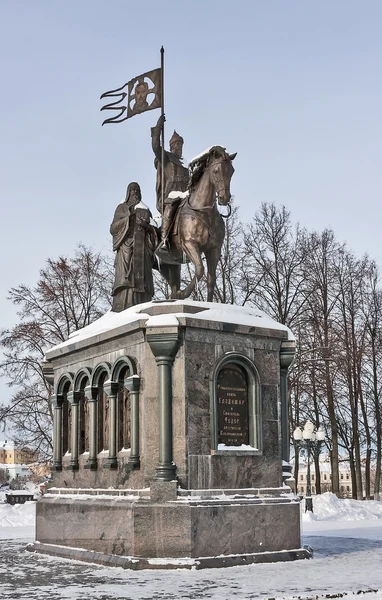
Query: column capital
(47,371)
(57,400)
(133,383)
(111,387)
(164,343)
(74,397)
(287,352)
(91,392)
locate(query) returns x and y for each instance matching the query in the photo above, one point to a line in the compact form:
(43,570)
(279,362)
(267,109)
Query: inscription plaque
(232,406)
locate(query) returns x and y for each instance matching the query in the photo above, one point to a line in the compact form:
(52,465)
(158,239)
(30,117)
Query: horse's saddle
(182,206)
(172,256)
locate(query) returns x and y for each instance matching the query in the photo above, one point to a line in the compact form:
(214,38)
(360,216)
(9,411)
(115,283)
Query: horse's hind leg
(212,258)
(192,252)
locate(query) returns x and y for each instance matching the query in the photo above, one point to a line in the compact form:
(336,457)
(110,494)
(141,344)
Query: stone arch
(82,381)
(101,374)
(64,386)
(120,365)
(123,367)
(244,402)
(64,380)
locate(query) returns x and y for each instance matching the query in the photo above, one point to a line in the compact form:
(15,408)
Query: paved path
(29,576)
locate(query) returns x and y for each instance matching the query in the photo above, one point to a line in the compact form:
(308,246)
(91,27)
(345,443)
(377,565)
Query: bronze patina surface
(199,226)
(172,175)
(134,241)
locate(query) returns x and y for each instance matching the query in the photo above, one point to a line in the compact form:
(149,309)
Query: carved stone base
(224,523)
(137,564)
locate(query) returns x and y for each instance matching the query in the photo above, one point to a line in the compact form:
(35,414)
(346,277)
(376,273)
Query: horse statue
(198,226)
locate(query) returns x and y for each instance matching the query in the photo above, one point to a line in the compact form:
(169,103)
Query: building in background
(326,479)
(14,460)
(12,454)
(346,487)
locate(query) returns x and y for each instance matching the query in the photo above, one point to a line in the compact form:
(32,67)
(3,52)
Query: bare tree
(70,294)
(231,282)
(320,256)
(372,373)
(352,278)
(274,263)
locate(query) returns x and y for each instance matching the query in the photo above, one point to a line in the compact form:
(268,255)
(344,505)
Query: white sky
(293,87)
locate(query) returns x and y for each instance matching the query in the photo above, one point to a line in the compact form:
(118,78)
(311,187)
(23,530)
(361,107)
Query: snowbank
(18,515)
(327,507)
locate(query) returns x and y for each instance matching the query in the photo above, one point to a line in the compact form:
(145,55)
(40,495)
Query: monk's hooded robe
(134,260)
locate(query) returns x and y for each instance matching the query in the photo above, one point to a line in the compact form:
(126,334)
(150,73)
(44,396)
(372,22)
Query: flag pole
(162,132)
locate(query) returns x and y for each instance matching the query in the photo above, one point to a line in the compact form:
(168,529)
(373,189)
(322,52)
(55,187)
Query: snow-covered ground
(17,521)
(346,536)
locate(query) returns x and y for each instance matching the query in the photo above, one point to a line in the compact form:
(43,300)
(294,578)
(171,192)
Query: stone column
(57,403)
(74,401)
(287,352)
(164,346)
(91,393)
(132,385)
(111,389)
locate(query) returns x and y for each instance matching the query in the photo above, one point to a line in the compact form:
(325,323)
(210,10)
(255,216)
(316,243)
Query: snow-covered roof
(146,315)
(7,445)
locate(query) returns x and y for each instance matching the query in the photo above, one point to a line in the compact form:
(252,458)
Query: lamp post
(310,440)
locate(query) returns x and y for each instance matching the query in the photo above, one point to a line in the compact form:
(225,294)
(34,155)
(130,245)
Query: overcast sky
(293,87)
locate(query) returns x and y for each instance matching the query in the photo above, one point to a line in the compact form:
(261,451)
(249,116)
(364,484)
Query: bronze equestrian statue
(191,224)
(199,227)
(175,176)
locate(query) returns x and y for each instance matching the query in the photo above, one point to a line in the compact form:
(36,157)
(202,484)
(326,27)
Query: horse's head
(221,171)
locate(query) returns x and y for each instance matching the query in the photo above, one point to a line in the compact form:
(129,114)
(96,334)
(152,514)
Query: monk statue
(134,241)
(175,177)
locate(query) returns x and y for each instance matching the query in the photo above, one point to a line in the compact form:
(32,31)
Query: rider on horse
(175,176)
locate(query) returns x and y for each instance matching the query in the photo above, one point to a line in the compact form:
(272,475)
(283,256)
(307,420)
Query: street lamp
(310,440)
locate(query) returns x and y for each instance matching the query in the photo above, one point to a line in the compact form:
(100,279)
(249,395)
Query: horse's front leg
(175,280)
(192,251)
(171,273)
(212,258)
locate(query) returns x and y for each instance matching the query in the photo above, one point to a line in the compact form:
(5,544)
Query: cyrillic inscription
(232,406)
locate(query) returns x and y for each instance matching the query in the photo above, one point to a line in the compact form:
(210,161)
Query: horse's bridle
(218,187)
(229,211)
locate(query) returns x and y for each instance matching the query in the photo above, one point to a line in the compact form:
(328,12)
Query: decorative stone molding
(254,402)
(57,404)
(74,401)
(132,384)
(111,389)
(91,393)
(287,353)
(164,345)
(48,372)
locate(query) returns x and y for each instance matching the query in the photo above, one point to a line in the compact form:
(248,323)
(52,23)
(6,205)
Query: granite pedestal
(169,436)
